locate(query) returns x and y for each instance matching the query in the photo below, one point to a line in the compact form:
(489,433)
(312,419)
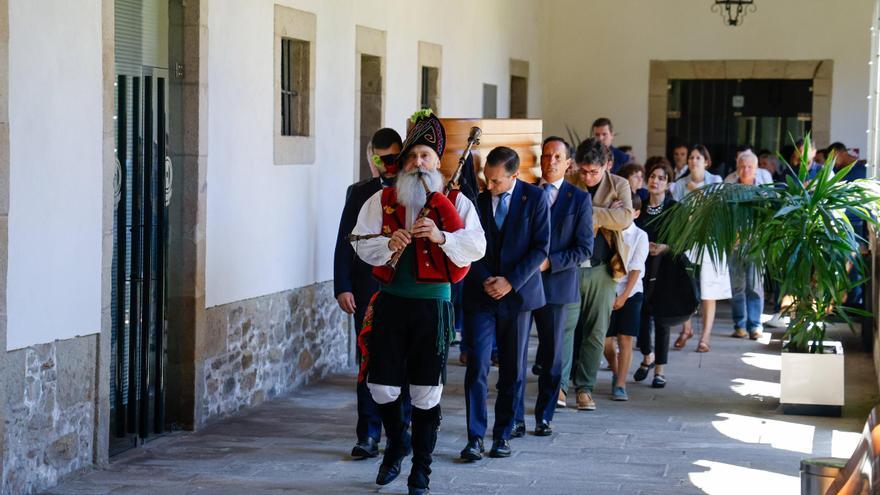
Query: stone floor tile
(653,444)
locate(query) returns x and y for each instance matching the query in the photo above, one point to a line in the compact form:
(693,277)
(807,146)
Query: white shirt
(679,188)
(462,246)
(496,199)
(637,240)
(761,177)
(554,191)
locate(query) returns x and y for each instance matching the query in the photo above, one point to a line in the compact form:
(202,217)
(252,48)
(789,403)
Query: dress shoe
(518,431)
(543,429)
(473,451)
(367,448)
(537,369)
(585,401)
(419,491)
(388,472)
(500,448)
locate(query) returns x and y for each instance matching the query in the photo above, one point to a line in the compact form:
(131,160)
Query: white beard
(411,192)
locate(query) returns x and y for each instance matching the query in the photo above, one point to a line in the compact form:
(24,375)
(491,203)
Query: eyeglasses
(388,159)
(590,173)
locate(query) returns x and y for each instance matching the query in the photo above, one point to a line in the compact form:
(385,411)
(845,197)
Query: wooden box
(523,135)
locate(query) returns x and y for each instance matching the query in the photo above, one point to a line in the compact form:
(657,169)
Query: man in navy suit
(500,292)
(571,243)
(353,282)
(603,130)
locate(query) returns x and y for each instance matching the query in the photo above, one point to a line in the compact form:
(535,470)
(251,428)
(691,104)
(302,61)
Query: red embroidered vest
(432,264)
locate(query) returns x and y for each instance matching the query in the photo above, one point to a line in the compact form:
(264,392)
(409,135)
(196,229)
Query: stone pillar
(101,444)
(188,151)
(4,212)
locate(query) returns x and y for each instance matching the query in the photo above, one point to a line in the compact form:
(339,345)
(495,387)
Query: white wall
(55,111)
(600,53)
(272,228)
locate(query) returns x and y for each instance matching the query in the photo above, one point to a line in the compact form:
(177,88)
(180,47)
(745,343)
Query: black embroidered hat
(427,130)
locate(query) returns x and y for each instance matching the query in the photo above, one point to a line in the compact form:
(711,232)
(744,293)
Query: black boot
(397,445)
(425,424)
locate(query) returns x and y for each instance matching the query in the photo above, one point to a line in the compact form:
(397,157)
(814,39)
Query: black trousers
(404,344)
(662,329)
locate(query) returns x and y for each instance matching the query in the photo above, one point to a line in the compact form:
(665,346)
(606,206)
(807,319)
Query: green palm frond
(573,137)
(800,231)
(720,218)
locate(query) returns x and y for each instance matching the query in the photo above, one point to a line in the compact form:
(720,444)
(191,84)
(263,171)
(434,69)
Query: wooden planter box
(813,383)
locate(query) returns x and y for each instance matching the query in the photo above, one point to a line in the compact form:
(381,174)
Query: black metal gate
(140,249)
(724,113)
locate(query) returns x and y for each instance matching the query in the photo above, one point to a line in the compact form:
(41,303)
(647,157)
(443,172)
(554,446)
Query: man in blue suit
(571,243)
(603,130)
(500,292)
(353,282)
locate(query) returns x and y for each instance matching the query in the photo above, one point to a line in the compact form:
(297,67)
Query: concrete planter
(813,383)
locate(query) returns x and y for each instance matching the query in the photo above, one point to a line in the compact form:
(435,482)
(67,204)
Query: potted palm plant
(803,233)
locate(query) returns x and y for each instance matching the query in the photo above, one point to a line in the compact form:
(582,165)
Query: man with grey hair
(433,239)
(746,278)
(747,171)
(769,162)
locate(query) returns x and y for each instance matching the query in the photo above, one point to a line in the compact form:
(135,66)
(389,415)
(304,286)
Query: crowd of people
(577,255)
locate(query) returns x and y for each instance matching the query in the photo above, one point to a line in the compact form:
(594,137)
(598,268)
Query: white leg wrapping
(425,396)
(383,394)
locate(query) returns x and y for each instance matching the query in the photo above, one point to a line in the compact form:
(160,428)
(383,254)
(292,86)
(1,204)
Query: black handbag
(674,292)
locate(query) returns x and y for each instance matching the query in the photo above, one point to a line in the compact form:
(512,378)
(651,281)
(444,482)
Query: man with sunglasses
(353,283)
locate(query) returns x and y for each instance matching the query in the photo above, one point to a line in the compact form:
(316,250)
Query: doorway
(725,113)
(140,229)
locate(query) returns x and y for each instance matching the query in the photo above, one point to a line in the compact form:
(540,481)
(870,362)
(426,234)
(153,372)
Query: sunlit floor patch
(771,362)
(765,338)
(721,479)
(843,443)
(749,388)
(783,435)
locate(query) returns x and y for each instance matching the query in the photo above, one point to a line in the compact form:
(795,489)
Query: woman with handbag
(714,277)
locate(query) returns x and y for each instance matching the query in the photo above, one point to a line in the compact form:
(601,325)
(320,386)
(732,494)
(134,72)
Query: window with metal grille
(519,97)
(294,87)
(430,86)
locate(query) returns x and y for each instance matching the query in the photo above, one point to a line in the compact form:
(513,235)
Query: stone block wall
(273,344)
(50,413)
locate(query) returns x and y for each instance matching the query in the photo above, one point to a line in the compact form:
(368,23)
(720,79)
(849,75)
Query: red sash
(432,264)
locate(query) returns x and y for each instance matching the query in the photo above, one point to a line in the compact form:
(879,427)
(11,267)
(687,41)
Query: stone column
(187,122)
(4,213)
(101,445)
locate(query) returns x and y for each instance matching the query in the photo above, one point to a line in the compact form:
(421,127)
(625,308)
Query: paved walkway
(717,428)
